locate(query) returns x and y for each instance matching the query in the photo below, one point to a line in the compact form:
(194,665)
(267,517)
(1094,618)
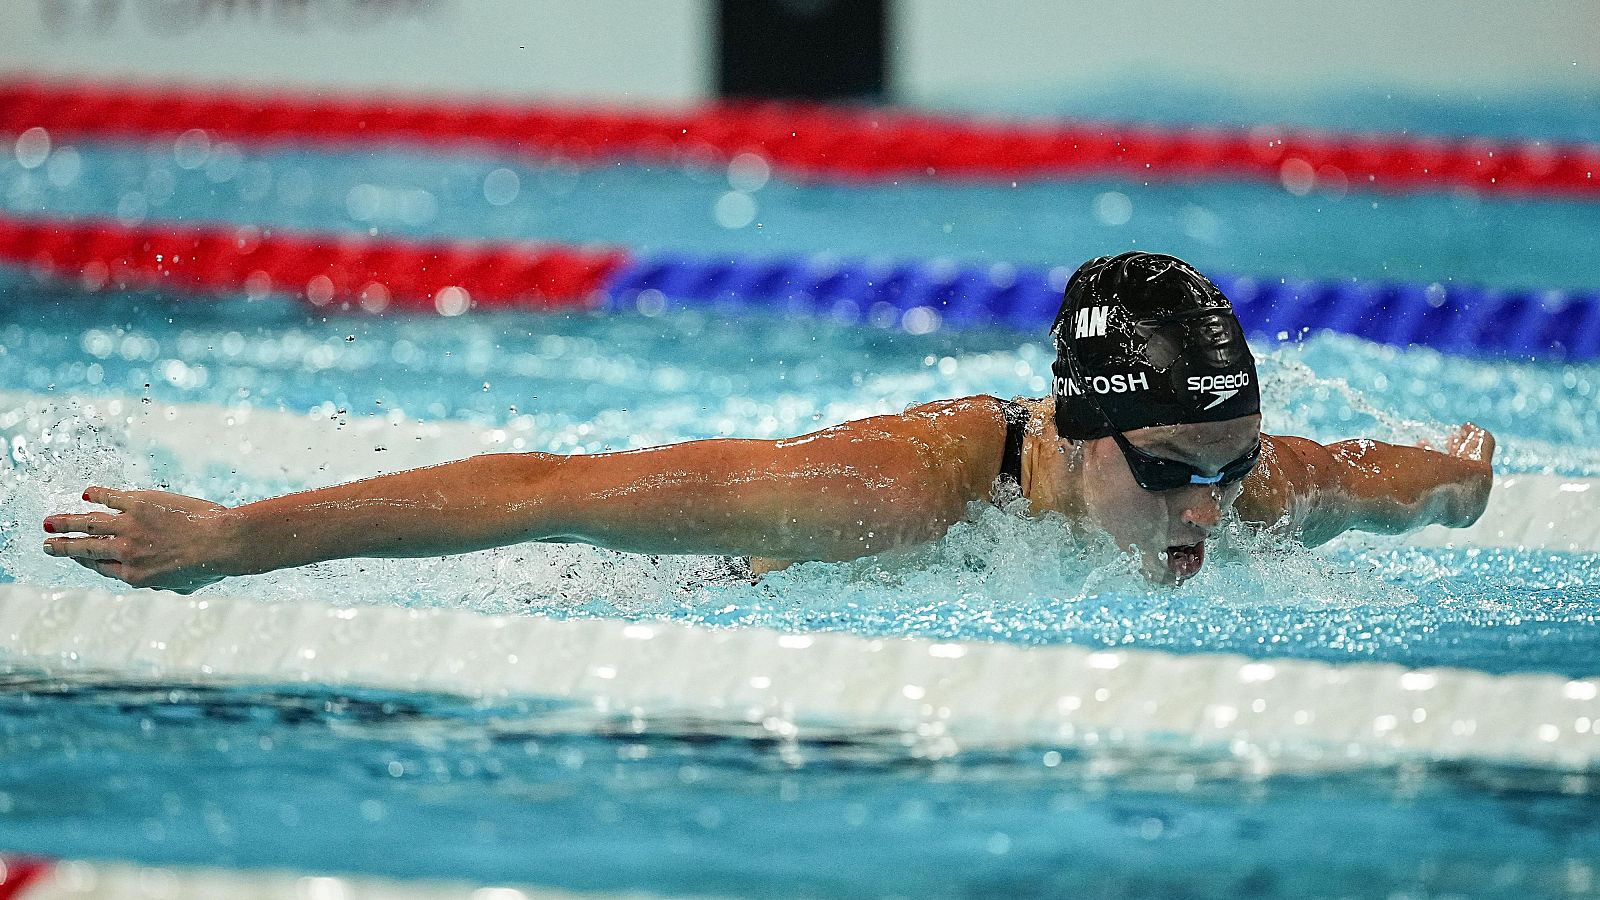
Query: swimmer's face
(1166,528)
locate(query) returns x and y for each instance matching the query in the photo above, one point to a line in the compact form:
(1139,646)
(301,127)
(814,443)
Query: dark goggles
(1156,473)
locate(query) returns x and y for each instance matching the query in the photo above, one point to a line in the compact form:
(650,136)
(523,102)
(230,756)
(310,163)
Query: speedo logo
(1222,387)
(1120,383)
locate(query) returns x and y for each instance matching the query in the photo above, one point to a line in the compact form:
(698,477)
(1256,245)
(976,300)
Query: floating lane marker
(37,879)
(944,696)
(808,140)
(359,272)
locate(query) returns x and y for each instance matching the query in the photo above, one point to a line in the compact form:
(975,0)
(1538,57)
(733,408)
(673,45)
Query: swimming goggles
(1156,473)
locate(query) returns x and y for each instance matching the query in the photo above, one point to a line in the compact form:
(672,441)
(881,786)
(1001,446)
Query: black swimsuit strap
(1016,416)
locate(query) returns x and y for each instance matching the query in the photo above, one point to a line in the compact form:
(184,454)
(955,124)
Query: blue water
(415,785)
(308,777)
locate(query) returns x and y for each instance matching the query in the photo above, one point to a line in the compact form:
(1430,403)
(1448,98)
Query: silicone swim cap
(1155,342)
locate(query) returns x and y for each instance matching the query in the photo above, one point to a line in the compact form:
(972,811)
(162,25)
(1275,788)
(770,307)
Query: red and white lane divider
(813,141)
(33,878)
(324,269)
(18,873)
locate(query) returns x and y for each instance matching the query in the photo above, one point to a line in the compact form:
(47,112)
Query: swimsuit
(1016,416)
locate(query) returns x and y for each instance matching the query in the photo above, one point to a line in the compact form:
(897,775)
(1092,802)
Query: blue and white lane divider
(923,296)
(945,696)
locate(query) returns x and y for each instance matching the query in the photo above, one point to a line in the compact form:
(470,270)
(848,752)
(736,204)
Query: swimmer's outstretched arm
(1318,492)
(843,492)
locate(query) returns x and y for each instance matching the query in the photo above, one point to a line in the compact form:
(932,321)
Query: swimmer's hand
(1468,442)
(153,540)
(1465,493)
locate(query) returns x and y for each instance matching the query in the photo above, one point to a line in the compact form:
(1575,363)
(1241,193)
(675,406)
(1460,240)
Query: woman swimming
(1152,433)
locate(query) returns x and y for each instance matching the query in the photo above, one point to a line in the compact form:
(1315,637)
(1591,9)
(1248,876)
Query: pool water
(413,785)
(313,778)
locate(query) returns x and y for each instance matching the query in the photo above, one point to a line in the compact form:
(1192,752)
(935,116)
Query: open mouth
(1185,560)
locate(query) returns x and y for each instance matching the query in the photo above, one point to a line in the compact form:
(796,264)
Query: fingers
(1470,442)
(81,523)
(104,496)
(106,549)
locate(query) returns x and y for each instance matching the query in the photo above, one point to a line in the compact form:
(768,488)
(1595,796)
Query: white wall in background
(953,49)
(662,51)
(628,50)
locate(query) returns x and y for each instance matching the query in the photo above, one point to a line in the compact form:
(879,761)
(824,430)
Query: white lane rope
(35,879)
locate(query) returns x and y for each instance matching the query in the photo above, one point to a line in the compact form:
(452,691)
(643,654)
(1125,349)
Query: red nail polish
(85,495)
(49,529)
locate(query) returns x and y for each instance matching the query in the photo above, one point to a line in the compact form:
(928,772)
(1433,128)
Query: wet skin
(847,491)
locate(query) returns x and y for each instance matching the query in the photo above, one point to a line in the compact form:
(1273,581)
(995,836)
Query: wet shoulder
(1270,497)
(966,432)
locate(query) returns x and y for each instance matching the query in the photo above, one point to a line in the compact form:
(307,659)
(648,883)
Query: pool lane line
(935,697)
(22,877)
(808,140)
(1538,512)
(324,269)
(923,295)
(39,879)
(380,274)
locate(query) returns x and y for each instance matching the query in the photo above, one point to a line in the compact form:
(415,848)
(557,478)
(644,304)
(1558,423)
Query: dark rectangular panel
(803,49)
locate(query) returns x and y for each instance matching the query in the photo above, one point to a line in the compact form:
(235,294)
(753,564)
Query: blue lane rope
(1452,318)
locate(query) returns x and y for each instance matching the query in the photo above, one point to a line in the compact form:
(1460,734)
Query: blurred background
(256,246)
(1005,54)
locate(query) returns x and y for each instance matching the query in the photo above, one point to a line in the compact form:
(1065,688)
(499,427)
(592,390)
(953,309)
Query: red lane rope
(18,872)
(326,270)
(815,141)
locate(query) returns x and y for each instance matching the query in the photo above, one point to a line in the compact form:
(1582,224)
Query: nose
(1202,508)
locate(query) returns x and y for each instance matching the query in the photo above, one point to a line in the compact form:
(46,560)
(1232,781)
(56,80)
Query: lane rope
(354,271)
(350,270)
(34,878)
(811,141)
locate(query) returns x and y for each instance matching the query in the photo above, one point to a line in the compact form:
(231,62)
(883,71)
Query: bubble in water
(32,148)
(374,298)
(748,172)
(224,163)
(363,202)
(734,210)
(452,301)
(191,148)
(1298,176)
(501,187)
(63,167)
(132,208)
(1113,208)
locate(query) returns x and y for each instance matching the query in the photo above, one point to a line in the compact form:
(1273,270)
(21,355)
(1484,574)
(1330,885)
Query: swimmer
(1152,434)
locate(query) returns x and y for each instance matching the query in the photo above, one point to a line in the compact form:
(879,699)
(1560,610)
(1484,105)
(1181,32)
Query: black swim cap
(1155,342)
